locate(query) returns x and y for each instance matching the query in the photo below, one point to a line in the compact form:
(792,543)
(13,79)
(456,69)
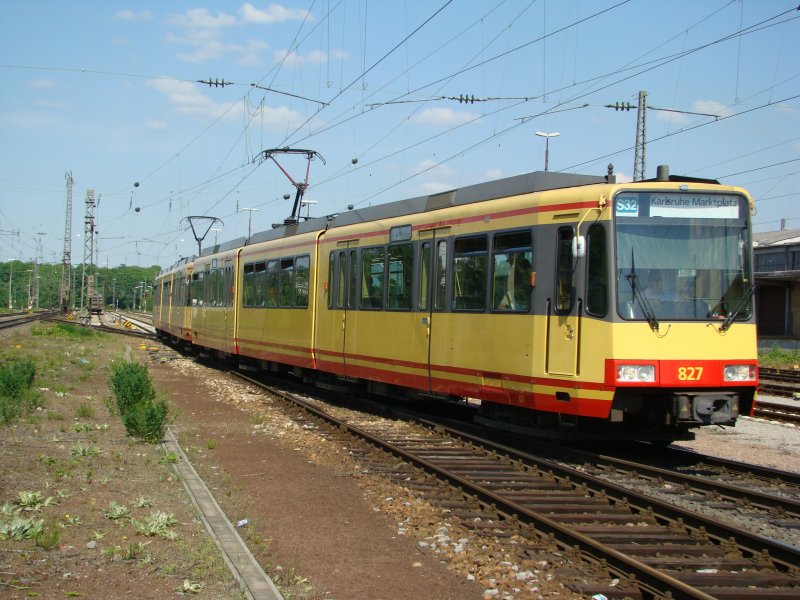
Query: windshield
(682,256)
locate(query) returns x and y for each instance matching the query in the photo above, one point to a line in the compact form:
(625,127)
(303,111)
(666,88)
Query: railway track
(11,320)
(649,547)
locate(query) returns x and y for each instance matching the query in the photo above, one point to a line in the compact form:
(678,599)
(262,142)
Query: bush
(16,395)
(16,376)
(131,384)
(142,416)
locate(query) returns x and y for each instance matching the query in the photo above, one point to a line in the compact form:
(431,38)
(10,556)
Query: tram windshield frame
(683,256)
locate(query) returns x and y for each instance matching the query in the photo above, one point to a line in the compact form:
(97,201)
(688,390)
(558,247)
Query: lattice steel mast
(87,279)
(66,264)
(639,160)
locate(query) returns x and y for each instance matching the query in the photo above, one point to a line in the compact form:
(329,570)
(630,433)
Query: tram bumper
(708,408)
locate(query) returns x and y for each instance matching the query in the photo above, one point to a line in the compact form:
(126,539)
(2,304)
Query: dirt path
(309,518)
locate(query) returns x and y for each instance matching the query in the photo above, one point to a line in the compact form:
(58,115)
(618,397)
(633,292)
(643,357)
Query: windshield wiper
(641,297)
(738,308)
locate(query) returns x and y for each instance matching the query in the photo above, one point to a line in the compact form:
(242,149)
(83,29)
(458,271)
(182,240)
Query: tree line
(126,287)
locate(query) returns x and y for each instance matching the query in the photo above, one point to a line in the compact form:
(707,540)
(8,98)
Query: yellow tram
(570,305)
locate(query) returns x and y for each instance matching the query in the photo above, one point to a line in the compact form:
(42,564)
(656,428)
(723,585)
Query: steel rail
(788,556)
(650,579)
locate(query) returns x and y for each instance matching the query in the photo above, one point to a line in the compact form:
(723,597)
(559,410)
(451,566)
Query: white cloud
(712,107)
(250,53)
(494,173)
(274,13)
(155,124)
(200,18)
(41,83)
(48,104)
(129,15)
(623,178)
(704,107)
(294,59)
(202,31)
(440,117)
(432,168)
(673,118)
(281,118)
(435,187)
(186,98)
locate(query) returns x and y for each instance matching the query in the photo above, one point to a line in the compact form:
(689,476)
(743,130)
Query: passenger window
(272,284)
(372,277)
(564,289)
(249,286)
(511,278)
(401,276)
(259,284)
(470,257)
(301,270)
(597,272)
(287,282)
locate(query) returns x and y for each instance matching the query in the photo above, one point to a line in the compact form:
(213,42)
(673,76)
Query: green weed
(84,411)
(117,511)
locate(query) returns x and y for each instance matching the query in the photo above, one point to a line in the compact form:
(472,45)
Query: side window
(272,282)
(440,276)
(564,289)
(286,282)
(511,271)
(424,275)
(211,287)
(197,289)
(301,269)
(187,283)
(597,271)
(470,256)
(259,284)
(372,278)
(249,283)
(401,276)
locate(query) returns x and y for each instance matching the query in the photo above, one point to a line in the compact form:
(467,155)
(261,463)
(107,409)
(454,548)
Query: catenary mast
(66,265)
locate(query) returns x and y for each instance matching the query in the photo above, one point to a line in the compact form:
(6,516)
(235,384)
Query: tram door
(562,312)
(432,293)
(227,301)
(343,301)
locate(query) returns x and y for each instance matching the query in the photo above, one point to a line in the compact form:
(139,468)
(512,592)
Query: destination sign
(678,205)
(696,206)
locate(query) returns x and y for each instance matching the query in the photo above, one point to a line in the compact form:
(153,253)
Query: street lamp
(216,230)
(547,137)
(250,221)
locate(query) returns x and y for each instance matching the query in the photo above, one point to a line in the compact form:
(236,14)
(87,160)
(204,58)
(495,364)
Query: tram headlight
(739,373)
(636,373)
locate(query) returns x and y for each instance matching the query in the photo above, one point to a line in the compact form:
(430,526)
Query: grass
(62,467)
(778,358)
(84,411)
(65,331)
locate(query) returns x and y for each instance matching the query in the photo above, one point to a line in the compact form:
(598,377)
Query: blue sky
(109,92)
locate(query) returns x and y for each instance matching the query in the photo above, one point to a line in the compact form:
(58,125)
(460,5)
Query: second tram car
(571,306)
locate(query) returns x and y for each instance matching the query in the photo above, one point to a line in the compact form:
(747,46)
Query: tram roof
(526,183)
